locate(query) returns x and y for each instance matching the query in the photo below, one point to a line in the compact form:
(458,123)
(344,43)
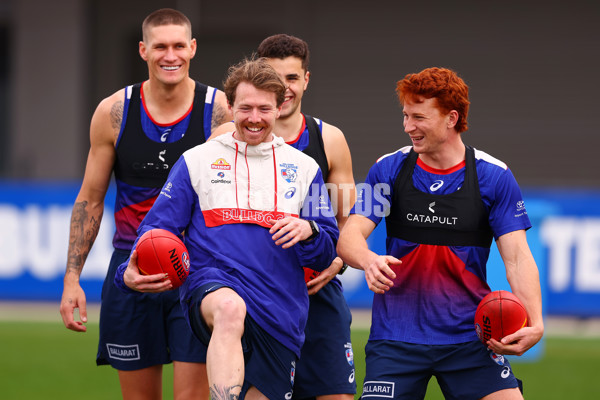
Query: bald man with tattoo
(139,132)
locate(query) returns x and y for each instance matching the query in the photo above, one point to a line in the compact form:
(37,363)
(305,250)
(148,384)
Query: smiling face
(295,78)
(430,130)
(254,113)
(168,49)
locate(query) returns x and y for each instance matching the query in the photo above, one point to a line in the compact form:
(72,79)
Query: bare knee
(254,394)
(141,384)
(224,310)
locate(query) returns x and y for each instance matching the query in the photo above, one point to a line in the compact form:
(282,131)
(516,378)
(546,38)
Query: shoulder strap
(316,147)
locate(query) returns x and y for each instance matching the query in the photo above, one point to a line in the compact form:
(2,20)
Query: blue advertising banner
(568,238)
(35,218)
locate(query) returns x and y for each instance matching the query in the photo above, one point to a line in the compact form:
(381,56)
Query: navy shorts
(326,364)
(398,370)
(143,329)
(269,365)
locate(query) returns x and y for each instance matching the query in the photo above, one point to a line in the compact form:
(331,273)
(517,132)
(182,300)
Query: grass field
(44,360)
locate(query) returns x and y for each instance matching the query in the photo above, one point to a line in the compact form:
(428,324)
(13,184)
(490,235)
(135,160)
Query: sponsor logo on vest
(161,154)
(431,205)
(378,389)
(427,219)
(221,164)
(150,166)
(125,353)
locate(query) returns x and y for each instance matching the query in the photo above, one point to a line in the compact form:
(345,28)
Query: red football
(160,251)
(499,314)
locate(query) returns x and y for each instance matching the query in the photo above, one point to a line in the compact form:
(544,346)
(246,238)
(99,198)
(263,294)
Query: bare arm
(221,112)
(341,178)
(352,248)
(523,277)
(89,205)
(220,130)
(340,184)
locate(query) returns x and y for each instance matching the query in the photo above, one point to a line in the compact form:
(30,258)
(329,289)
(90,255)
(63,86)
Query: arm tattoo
(80,239)
(225,393)
(116,116)
(218,117)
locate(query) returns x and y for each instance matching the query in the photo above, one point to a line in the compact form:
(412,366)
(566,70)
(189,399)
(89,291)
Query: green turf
(43,360)
(46,361)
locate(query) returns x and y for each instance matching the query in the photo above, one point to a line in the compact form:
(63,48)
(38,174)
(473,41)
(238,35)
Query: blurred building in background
(531,66)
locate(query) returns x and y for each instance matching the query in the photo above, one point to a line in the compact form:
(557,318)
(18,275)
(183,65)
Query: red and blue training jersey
(146,150)
(438,287)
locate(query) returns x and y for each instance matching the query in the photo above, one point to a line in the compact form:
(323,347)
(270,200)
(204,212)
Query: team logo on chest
(221,164)
(289,172)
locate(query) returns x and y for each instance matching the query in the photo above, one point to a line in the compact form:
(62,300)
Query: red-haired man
(444,203)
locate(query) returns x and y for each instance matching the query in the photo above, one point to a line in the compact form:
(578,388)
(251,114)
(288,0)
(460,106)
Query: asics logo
(351,377)
(436,185)
(505,373)
(290,193)
(163,137)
